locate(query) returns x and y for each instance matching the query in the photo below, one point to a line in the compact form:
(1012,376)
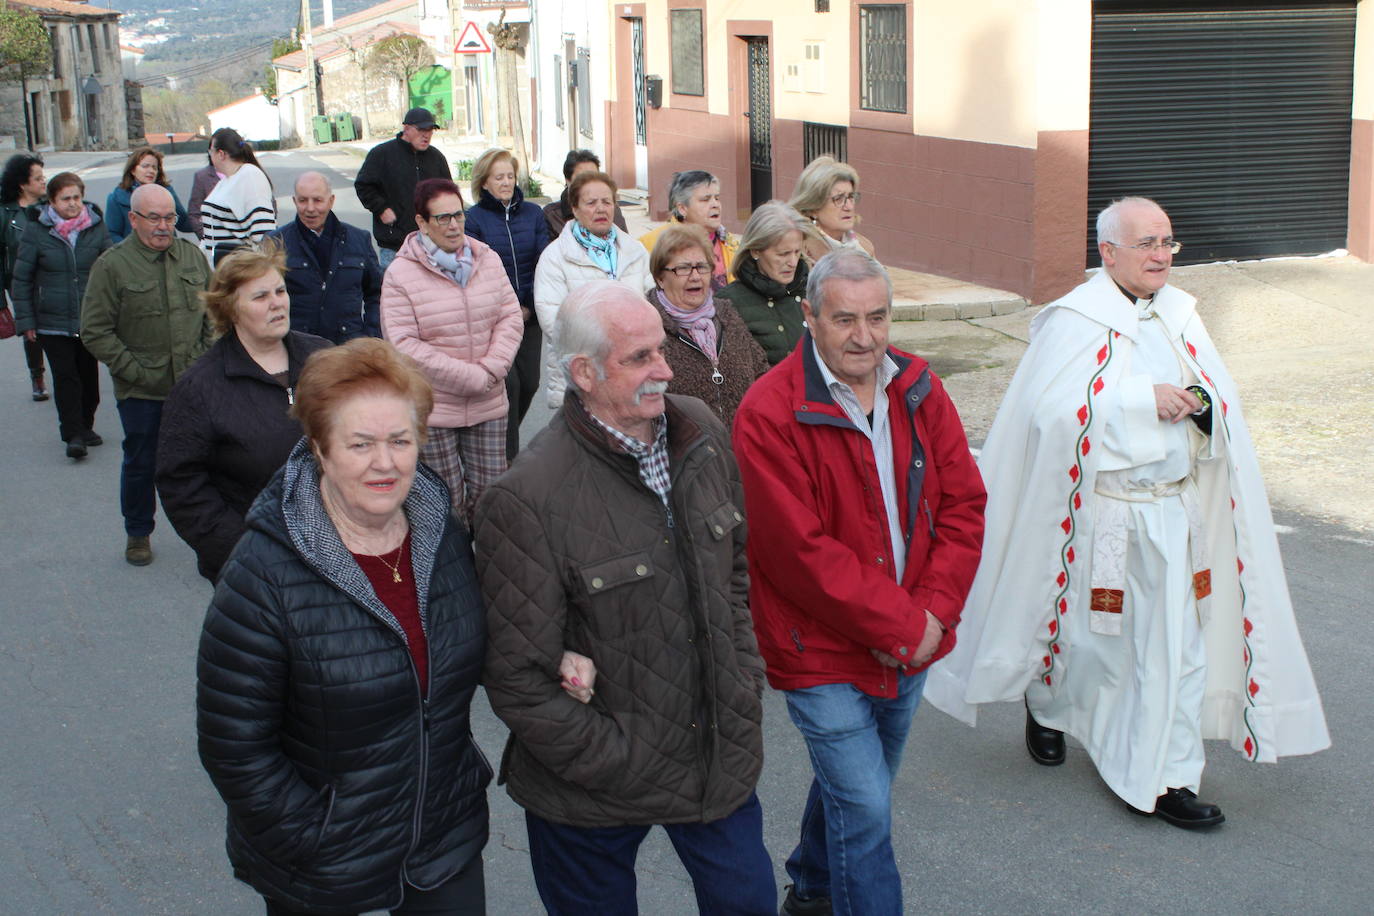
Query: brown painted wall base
(1001,216)
(1360,232)
(680,140)
(1061,200)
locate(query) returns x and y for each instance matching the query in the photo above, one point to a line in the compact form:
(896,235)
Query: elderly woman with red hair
(339,658)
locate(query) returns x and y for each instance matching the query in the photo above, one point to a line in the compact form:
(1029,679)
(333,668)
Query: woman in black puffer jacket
(339,658)
(517,231)
(226,424)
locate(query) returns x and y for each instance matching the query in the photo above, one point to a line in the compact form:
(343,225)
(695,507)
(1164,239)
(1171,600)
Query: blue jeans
(590,871)
(855,742)
(384,257)
(137,495)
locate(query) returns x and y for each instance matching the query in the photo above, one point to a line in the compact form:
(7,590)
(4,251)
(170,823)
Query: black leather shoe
(1181,808)
(76,448)
(92,438)
(792,905)
(1046,745)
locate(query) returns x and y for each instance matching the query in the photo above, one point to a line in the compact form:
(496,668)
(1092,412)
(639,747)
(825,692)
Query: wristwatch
(1201,394)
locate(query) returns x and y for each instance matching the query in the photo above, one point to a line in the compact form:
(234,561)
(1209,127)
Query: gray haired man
(632,555)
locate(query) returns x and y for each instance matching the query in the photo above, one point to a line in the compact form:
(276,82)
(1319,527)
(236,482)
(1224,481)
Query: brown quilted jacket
(575,552)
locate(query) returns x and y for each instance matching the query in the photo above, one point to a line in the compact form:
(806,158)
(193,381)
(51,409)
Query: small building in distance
(345,83)
(253,116)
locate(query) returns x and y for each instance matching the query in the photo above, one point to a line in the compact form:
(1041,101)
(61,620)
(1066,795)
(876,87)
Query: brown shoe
(138,551)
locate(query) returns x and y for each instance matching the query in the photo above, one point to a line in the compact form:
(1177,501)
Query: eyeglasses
(686,270)
(157,219)
(443,219)
(1172,245)
(840,200)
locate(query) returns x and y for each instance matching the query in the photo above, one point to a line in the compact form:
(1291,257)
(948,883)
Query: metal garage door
(1234,116)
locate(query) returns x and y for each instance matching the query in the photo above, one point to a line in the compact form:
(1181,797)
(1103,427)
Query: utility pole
(312,88)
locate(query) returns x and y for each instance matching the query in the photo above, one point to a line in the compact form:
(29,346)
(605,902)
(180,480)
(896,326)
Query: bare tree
(509,39)
(401,57)
(174,110)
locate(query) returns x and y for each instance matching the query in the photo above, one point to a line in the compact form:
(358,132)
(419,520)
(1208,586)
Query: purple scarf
(700,322)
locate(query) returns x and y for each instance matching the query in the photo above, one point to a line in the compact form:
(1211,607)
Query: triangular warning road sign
(472,41)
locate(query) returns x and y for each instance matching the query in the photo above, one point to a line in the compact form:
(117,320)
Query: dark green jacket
(49,276)
(142,315)
(772,311)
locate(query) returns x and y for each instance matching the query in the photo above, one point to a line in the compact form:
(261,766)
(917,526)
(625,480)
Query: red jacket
(822,585)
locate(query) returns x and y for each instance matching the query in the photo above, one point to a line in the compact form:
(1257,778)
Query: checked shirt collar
(652,457)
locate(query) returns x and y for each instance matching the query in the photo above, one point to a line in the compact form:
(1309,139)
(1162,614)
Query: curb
(912,310)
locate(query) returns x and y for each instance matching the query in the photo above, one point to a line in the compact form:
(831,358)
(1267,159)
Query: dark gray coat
(341,781)
(50,276)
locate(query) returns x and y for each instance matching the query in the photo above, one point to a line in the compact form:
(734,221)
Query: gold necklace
(394,567)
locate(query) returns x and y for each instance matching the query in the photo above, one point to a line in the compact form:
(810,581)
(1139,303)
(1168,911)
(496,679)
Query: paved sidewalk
(1295,334)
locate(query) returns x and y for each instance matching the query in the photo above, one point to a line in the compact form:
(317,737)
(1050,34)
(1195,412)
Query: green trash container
(324,130)
(343,126)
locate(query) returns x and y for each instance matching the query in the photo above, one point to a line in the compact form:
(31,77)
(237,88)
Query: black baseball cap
(421,118)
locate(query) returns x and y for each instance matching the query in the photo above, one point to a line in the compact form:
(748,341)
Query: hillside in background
(202,54)
(227,40)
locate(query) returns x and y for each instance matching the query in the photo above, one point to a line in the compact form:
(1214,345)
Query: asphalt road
(104,807)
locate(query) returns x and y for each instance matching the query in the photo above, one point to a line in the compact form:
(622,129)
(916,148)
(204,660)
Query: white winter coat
(563,267)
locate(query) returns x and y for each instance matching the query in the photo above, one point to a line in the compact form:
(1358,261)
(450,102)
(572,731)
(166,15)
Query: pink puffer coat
(463,338)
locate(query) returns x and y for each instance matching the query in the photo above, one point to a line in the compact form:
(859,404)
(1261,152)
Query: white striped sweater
(238,211)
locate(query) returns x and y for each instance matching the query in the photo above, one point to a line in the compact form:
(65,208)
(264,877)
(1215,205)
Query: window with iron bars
(824,140)
(822,6)
(882,58)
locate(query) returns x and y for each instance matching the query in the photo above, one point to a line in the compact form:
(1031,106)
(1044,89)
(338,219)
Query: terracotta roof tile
(65,8)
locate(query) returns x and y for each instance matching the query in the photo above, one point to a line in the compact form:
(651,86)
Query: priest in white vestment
(1131,587)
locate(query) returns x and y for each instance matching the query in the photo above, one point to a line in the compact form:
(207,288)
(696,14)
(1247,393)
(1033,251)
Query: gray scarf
(456,265)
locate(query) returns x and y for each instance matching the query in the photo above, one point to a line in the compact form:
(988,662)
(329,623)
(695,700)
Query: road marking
(1364,542)
(1282,529)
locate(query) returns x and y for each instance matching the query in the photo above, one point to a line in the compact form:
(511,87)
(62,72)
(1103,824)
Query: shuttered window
(1236,117)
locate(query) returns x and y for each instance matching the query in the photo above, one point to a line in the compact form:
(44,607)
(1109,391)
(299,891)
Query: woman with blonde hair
(770,278)
(827,193)
(517,231)
(226,425)
(144,166)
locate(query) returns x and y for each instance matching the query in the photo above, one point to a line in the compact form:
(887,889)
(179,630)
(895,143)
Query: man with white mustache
(142,316)
(618,534)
